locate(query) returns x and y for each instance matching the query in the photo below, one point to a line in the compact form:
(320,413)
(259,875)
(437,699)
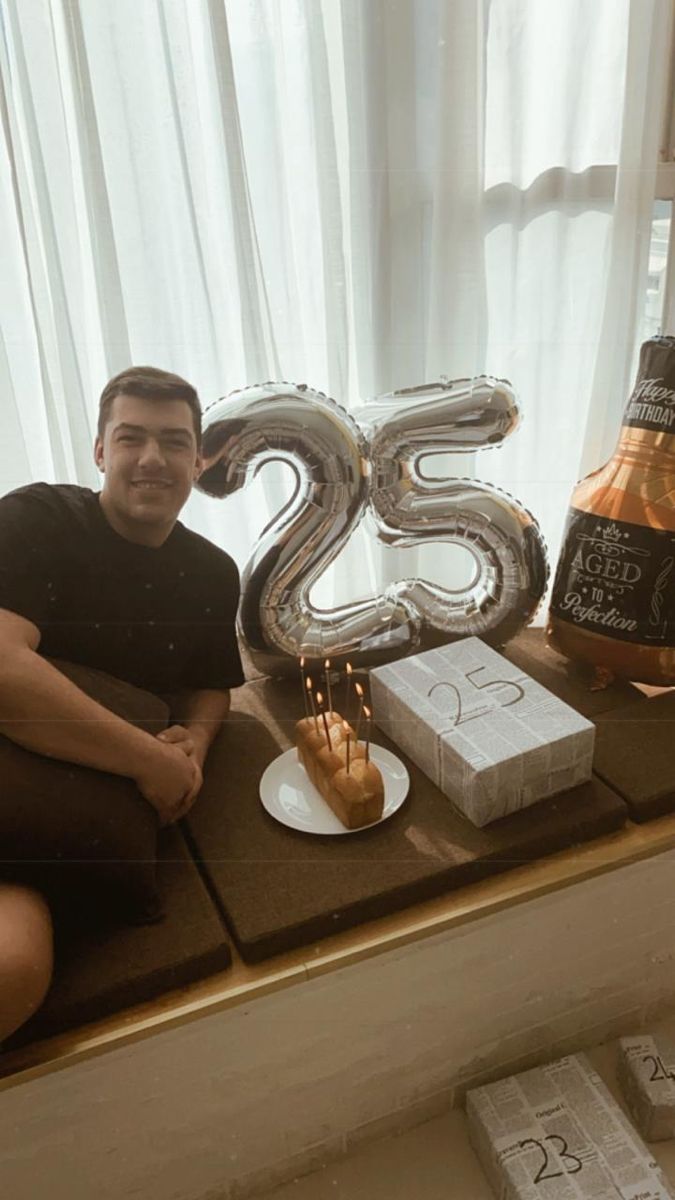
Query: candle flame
(308,683)
(366,711)
(349,668)
(358,689)
(319,698)
(302,660)
(327,664)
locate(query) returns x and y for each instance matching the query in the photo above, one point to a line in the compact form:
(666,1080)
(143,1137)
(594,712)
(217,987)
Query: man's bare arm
(43,711)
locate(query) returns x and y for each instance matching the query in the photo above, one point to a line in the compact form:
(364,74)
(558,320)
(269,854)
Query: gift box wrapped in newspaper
(647,1077)
(556,1132)
(489,736)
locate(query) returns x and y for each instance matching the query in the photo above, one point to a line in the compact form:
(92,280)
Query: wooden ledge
(243,984)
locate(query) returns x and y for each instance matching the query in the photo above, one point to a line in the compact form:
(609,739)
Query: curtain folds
(360,195)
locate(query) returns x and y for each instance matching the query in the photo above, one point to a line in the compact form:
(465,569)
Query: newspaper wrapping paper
(556,1133)
(647,1076)
(489,736)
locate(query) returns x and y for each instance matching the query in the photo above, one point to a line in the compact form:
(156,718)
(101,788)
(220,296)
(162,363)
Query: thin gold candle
(347,731)
(359,691)
(348,669)
(326,667)
(304,684)
(308,685)
(369,716)
(319,700)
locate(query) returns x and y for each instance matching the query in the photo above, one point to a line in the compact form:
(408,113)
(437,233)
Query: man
(112,580)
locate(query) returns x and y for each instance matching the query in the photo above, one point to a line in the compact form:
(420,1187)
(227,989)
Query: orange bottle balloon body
(613,600)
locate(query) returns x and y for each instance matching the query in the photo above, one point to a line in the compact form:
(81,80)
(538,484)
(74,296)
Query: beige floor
(433,1161)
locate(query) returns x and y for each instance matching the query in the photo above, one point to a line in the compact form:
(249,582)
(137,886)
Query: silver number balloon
(329,455)
(511,569)
(344,466)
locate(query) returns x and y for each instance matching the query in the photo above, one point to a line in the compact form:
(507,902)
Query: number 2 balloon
(347,464)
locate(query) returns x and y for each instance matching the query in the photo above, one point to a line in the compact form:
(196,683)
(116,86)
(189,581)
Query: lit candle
(319,700)
(368,715)
(359,691)
(348,669)
(326,667)
(308,686)
(347,731)
(304,684)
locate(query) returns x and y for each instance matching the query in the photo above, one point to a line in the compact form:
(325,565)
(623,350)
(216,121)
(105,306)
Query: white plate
(289,795)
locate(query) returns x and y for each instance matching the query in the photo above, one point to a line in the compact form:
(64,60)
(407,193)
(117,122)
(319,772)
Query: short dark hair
(150,384)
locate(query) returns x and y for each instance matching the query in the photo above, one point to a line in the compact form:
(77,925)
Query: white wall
(242,1098)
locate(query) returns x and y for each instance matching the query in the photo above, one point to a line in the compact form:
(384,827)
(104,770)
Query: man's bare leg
(26,954)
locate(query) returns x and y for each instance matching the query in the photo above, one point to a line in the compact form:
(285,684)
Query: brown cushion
(101,968)
(635,754)
(570,681)
(76,832)
(280,888)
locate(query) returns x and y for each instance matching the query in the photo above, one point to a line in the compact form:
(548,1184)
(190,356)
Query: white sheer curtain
(356,194)
(572,136)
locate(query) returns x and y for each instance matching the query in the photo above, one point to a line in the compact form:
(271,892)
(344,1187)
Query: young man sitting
(112,580)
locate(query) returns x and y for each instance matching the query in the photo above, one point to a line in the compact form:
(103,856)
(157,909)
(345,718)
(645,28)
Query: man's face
(149,458)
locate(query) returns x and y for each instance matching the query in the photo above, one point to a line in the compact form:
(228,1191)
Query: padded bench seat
(231,864)
(280,889)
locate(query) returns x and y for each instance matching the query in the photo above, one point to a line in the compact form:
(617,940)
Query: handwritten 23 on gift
(490,737)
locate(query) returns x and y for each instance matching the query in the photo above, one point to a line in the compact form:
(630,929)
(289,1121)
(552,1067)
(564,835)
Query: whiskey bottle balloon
(613,600)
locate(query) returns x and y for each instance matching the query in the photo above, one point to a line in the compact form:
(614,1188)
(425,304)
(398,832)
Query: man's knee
(26,955)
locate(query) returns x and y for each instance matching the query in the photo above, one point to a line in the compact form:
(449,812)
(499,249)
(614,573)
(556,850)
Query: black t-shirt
(162,618)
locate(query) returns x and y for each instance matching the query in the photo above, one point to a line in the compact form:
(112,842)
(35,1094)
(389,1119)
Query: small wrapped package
(556,1133)
(646,1073)
(490,737)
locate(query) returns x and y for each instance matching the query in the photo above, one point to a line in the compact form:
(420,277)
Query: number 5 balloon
(345,465)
